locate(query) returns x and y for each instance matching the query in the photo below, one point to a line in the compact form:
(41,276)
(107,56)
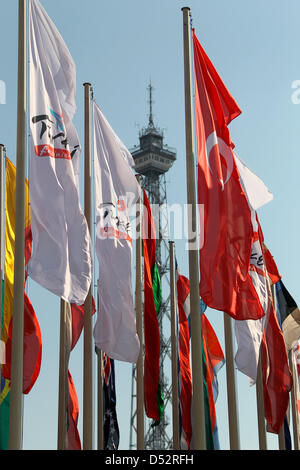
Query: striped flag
(289,315)
(153,399)
(32,332)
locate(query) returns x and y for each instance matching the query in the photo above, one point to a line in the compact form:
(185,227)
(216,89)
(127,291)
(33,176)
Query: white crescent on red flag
(227,231)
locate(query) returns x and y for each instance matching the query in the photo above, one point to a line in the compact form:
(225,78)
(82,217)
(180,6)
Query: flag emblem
(223,151)
(52,144)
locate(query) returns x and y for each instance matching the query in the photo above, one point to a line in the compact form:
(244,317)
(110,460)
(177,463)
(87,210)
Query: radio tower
(152,160)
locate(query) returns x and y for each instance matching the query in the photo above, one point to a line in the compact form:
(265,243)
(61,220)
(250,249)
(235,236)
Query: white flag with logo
(117,191)
(61,258)
(249,332)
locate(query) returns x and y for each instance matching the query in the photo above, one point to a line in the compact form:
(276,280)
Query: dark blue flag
(110,421)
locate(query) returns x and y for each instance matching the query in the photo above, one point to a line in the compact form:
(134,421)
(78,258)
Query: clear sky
(118,46)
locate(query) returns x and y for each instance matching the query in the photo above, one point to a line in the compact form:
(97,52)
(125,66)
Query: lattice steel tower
(152,160)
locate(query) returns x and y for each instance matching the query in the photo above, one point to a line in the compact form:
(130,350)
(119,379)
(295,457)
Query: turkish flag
(227,232)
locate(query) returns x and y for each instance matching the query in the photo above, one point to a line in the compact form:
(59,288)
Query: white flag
(249,332)
(61,258)
(117,191)
(255,189)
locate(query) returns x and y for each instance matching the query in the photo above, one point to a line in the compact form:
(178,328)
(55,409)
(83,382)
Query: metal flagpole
(16,392)
(100,392)
(139,326)
(262,436)
(62,442)
(88,305)
(198,410)
(231,386)
(100,398)
(174,342)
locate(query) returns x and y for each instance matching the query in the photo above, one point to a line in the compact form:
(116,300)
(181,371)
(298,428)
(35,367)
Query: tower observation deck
(153,159)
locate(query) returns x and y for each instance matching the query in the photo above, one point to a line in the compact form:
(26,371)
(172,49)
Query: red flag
(185,383)
(213,359)
(227,231)
(32,346)
(152,299)
(277,379)
(78,321)
(74,442)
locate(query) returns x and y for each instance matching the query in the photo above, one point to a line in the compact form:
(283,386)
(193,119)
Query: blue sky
(118,46)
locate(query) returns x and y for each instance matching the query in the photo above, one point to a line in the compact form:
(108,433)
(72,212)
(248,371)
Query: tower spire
(150,88)
(152,159)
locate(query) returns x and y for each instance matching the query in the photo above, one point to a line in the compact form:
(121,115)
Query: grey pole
(88,305)
(198,410)
(174,342)
(16,393)
(139,326)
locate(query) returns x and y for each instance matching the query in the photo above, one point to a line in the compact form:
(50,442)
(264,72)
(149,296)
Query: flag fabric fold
(226,233)
(153,398)
(61,258)
(117,191)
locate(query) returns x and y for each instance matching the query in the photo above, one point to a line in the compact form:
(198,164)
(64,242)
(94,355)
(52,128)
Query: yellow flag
(10,213)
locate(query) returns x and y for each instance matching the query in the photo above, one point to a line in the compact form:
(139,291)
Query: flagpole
(139,327)
(62,443)
(100,392)
(174,342)
(100,398)
(262,437)
(198,410)
(88,306)
(16,392)
(231,386)
(294,401)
